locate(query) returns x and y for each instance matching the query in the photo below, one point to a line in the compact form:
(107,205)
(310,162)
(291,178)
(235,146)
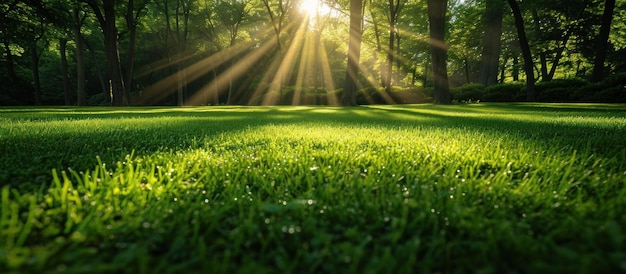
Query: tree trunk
(438,50)
(104,85)
(116,80)
(106,18)
(394,9)
(601,44)
(10,62)
(492,43)
(81,92)
(64,72)
(528,59)
(131,23)
(348,97)
(35,68)
(515,68)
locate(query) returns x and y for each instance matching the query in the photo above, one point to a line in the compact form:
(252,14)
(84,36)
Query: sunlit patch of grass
(471,188)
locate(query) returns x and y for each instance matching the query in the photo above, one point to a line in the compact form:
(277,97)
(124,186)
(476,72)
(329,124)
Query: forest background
(268,52)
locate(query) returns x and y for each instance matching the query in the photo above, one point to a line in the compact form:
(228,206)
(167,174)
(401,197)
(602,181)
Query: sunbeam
(234,72)
(303,63)
(285,69)
(168,85)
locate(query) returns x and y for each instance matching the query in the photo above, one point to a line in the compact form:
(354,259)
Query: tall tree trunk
(543,54)
(112,54)
(438,50)
(81,93)
(35,68)
(492,43)
(601,44)
(348,97)
(528,59)
(515,68)
(104,85)
(9,61)
(131,23)
(106,18)
(64,71)
(394,10)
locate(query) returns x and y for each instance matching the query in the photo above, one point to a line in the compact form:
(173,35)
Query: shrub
(559,90)
(398,95)
(507,92)
(468,93)
(610,90)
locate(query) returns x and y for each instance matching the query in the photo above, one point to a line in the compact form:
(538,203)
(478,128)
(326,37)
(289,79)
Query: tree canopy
(255,52)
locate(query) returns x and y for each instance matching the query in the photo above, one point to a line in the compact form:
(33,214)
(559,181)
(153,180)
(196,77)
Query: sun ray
(285,68)
(233,72)
(168,85)
(328,77)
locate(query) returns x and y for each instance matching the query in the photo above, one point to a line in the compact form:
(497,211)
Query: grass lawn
(481,188)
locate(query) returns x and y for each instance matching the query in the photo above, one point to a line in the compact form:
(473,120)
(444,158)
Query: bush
(559,90)
(398,95)
(507,92)
(98,99)
(6,100)
(468,93)
(610,90)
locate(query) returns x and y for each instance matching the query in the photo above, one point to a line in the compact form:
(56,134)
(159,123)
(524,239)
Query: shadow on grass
(118,132)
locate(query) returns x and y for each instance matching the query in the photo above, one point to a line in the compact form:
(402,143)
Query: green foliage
(468,93)
(173,35)
(611,90)
(460,188)
(398,95)
(559,90)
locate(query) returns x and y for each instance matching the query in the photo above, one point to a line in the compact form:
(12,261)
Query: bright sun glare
(312,7)
(303,63)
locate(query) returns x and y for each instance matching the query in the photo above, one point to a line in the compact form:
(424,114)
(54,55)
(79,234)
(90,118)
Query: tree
(392,17)
(555,22)
(65,71)
(133,12)
(438,50)
(278,17)
(492,43)
(81,92)
(232,13)
(528,59)
(348,97)
(107,18)
(601,44)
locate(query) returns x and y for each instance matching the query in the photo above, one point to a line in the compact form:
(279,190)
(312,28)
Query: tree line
(192,52)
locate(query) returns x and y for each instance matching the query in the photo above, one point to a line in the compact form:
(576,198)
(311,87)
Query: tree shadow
(32,156)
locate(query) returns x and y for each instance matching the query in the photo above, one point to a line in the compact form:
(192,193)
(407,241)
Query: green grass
(486,188)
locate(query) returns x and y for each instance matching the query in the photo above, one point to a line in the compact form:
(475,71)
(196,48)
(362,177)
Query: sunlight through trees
(253,52)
